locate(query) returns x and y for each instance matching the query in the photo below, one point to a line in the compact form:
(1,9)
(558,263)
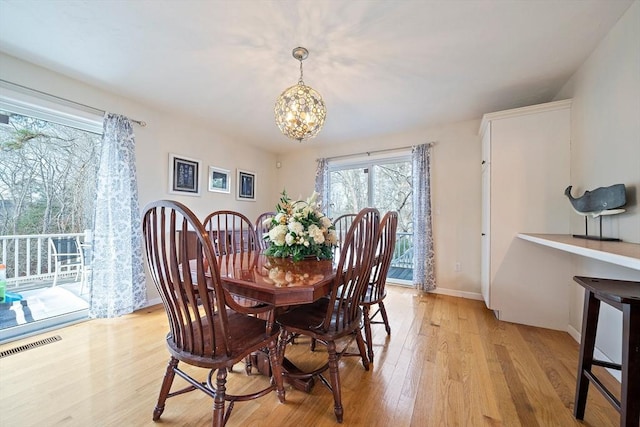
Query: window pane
(392,183)
(47,176)
(348,191)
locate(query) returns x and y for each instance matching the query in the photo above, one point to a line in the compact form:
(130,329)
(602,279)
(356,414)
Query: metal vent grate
(29,346)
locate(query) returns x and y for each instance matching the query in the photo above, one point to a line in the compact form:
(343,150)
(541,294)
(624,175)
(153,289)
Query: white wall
(455,169)
(456,193)
(605,150)
(165,133)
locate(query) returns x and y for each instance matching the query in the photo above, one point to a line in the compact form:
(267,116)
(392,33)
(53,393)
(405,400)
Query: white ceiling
(381,66)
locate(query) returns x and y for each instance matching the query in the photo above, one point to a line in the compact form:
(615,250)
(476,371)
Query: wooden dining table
(279,282)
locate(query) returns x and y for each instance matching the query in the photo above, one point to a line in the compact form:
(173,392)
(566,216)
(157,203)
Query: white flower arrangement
(300,229)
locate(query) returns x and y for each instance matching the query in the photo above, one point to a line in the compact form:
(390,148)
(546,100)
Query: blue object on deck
(11,297)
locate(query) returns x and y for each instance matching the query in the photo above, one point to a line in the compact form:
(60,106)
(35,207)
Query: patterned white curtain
(322,183)
(118,278)
(423,258)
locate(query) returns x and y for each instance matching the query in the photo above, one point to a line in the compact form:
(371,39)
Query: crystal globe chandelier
(300,110)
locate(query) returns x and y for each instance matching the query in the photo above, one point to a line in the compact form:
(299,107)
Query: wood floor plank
(482,407)
(448,362)
(516,388)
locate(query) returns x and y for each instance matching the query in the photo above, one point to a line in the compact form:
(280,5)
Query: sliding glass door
(383,183)
(48,170)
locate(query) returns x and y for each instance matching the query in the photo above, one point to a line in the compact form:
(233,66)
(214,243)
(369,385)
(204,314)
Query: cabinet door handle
(483,162)
(483,234)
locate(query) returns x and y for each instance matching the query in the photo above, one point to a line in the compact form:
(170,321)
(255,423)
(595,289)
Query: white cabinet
(525,169)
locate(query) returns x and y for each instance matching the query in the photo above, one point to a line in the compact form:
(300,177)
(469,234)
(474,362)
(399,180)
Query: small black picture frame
(246,185)
(184,175)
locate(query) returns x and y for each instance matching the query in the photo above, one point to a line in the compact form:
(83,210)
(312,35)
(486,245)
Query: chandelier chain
(300,82)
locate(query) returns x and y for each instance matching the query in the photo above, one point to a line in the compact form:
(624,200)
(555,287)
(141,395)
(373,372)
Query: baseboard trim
(442,291)
(574,333)
(154,301)
(456,293)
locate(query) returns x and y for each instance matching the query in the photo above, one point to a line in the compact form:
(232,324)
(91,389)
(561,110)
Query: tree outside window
(47,176)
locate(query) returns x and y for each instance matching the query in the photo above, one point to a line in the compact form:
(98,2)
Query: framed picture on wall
(184,175)
(246,183)
(219,180)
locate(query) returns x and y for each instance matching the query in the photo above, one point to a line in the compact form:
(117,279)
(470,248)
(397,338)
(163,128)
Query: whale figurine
(601,201)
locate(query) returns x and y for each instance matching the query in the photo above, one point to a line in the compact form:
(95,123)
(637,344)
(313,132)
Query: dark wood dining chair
(207,329)
(338,316)
(235,241)
(261,228)
(230,232)
(380,264)
(342,224)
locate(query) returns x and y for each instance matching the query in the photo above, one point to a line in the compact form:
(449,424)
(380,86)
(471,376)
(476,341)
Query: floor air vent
(29,346)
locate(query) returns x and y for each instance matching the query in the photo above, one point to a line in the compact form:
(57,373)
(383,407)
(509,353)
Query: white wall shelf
(618,253)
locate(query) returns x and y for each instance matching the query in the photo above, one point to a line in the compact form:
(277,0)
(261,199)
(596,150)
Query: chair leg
(276,371)
(630,401)
(361,348)
(334,377)
(587,344)
(367,330)
(218,400)
(383,312)
(165,388)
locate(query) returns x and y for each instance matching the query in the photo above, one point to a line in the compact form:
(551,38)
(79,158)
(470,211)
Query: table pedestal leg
(302,384)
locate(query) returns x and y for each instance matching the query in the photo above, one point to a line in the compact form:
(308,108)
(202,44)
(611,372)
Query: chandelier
(300,110)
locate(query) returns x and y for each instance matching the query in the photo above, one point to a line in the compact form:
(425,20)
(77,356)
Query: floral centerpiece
(299,230)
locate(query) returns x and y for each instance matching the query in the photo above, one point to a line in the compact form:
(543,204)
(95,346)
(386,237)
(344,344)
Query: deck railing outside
(28,258)
(403,253)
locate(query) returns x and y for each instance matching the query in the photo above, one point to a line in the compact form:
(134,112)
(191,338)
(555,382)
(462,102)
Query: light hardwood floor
(448,362)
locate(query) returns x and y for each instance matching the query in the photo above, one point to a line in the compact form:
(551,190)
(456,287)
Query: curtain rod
(87,108)
(368,153)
